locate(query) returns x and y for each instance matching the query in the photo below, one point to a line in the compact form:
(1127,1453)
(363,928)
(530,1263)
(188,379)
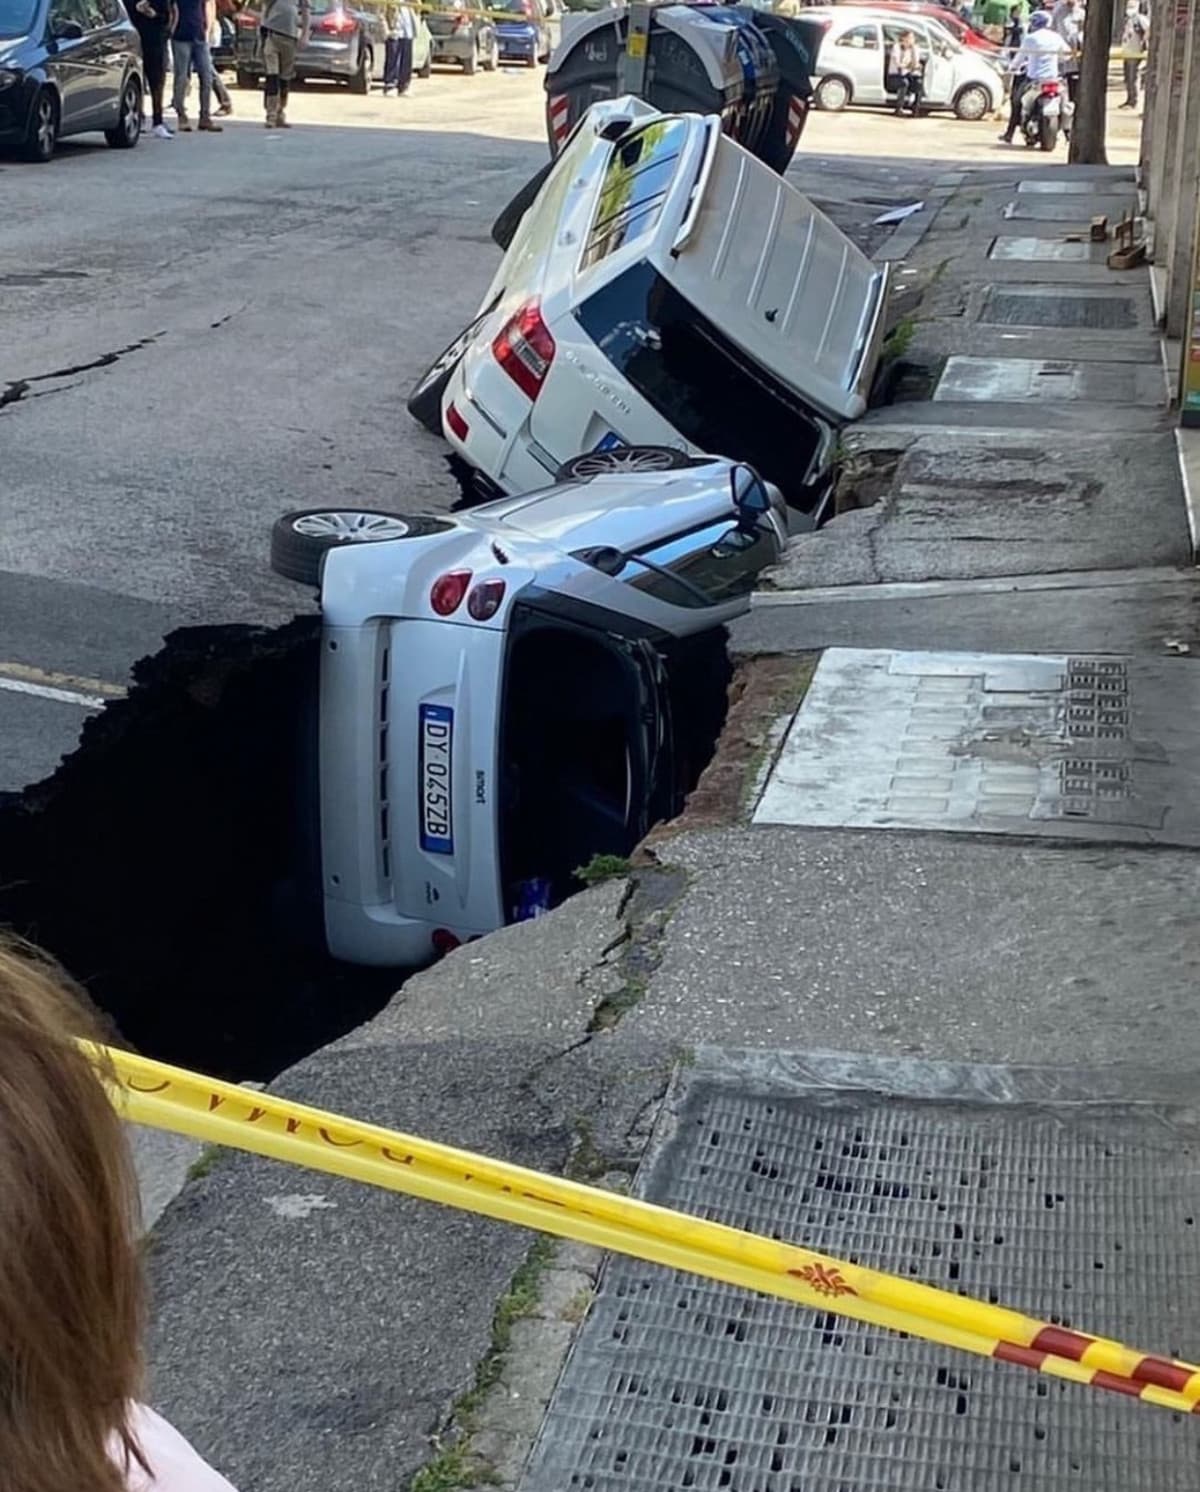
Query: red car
(963,33)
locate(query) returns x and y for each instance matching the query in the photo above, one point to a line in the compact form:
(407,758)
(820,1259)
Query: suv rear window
(718,399)
(636,182)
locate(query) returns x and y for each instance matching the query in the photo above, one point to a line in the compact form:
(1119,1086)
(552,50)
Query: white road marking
(298,1204)
(63,696)
(64,688)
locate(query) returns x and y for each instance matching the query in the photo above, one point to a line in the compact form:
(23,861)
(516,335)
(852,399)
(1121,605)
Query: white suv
(494,707)
(663,287)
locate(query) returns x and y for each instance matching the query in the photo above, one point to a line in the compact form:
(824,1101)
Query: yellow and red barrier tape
(153,1093)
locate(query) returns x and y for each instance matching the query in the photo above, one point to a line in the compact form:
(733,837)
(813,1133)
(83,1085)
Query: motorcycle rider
(1037,61)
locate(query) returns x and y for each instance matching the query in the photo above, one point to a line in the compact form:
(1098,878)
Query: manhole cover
(1084,1216)
(1076,210)
(1063,308)
(993,743)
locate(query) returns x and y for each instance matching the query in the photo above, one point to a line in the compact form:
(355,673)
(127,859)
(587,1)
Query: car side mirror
(67,31)
(750,496)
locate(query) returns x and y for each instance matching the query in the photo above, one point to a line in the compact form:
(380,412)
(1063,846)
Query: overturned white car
(494,701)
(662,286)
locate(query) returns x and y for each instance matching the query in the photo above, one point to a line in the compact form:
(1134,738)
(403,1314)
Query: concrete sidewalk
(1025,498)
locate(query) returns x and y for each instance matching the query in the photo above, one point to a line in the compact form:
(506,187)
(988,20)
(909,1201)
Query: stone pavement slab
(965,503)
(943,945)
(1088,746)
(1147,611)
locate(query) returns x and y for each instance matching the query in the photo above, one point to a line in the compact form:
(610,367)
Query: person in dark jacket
(152,19)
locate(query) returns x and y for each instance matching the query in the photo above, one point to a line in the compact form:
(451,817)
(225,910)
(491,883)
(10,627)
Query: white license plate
(436,761)
(1052,108)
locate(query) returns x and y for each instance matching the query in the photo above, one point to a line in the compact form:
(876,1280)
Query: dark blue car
(67,67)
(533,32)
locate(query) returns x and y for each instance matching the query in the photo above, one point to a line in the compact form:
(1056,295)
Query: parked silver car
(852,65)
(345,45)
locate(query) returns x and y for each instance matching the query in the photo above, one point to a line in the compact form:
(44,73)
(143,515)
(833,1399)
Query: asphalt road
(201,334)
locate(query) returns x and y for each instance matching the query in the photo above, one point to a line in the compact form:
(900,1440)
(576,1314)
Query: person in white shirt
(1135,34)
(398,49)
(1037,61)
(71,1309)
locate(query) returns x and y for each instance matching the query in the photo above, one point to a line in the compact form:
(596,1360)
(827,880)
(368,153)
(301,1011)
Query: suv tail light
(525,349)
(484,601)
(447,591)
(336,22)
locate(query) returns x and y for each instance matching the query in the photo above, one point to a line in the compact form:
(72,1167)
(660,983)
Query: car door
(857,54)
(67,64)
(113,57)
(940,67)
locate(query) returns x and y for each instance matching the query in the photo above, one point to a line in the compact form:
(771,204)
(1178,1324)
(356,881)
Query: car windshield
(16,17)
(714,396)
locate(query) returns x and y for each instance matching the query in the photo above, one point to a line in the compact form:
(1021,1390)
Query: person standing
(152,19)
(216,36)
(1067,20)
(191,21)
(1135,34)
(284,30)
(401,34)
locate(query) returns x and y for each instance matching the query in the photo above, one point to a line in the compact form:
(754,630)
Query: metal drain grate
(678,1383)
(1061,310)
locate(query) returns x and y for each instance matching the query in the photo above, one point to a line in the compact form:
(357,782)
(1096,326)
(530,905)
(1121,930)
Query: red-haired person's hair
(70,1281)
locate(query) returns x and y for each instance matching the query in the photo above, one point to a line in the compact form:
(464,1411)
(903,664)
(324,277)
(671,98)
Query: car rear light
(484,601)
(336,22)
(458,426)
(525,349)
(447,591)
(444,941)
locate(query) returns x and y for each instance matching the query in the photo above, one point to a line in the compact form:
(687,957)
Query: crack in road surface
(19,388)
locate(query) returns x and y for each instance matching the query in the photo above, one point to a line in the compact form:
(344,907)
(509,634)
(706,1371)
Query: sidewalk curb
(1184,438)
(908,234)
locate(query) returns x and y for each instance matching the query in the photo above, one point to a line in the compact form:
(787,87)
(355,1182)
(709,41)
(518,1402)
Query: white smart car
(663,287)
(494,705)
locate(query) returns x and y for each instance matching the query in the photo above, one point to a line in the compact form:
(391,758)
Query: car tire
(301,540)
(470,63)
(627,459)
(832,94)
(973,103)
(427,70)
(41,134)
(492,61)
(248,81)
(425,401)
(128,129)
(360,83)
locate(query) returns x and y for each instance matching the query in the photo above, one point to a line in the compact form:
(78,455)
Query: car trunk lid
(776,277)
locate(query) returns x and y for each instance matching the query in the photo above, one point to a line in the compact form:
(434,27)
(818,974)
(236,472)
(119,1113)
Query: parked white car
(666,288)
(493,704)
(852,65)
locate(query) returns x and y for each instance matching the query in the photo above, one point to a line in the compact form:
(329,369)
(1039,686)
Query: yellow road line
(64,683)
